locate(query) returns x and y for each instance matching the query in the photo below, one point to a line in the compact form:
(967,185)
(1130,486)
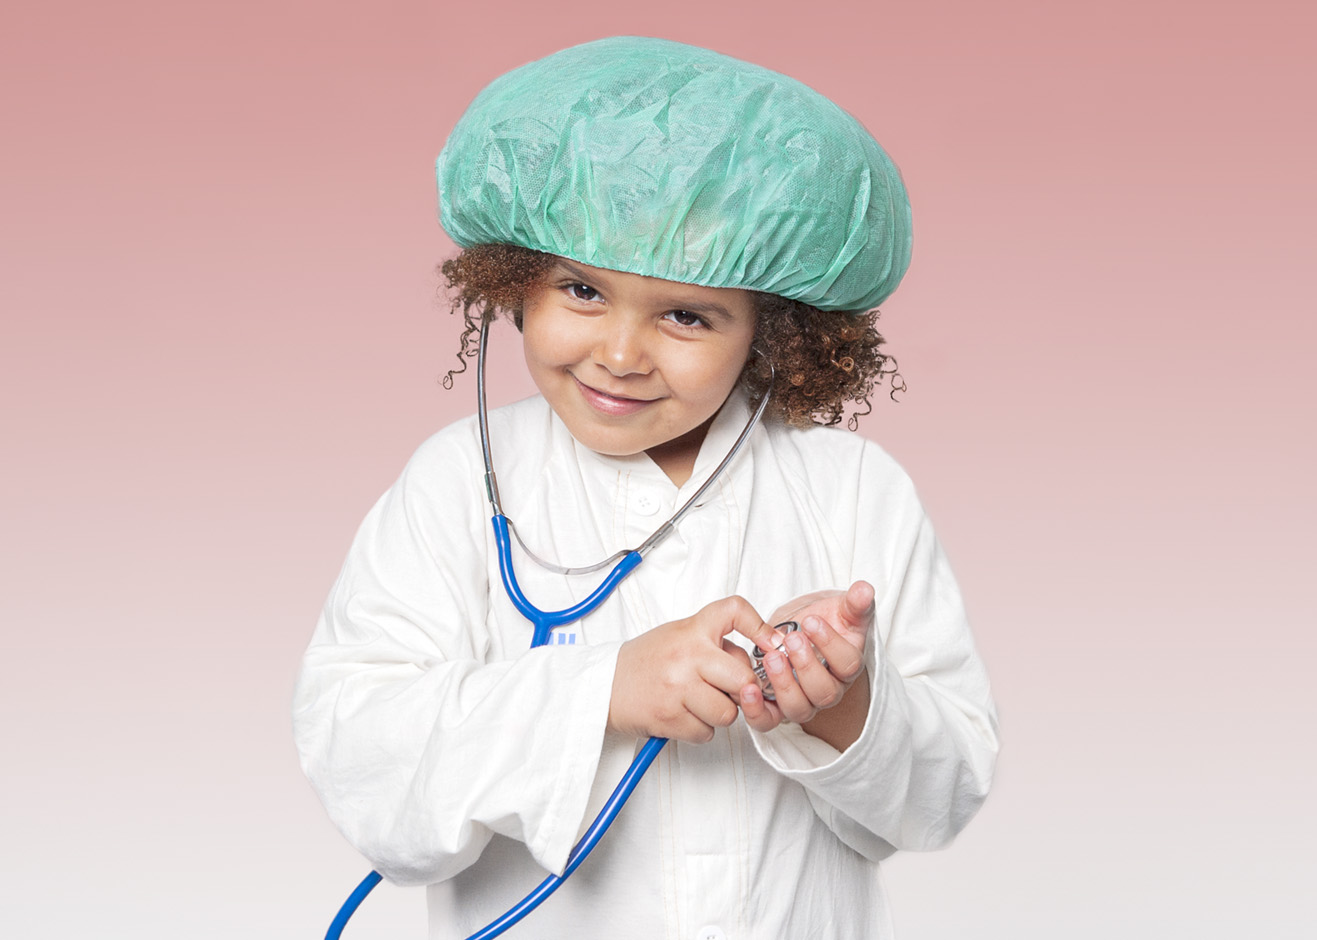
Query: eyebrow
(703,307)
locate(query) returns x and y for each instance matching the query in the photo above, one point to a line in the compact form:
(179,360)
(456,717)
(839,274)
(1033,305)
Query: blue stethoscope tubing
(544,622)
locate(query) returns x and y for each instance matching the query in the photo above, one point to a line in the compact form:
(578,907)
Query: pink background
(221,342)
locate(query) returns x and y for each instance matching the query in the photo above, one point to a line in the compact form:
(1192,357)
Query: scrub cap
(658,158)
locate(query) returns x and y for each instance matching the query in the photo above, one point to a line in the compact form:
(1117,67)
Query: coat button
(645,503)
(710,933)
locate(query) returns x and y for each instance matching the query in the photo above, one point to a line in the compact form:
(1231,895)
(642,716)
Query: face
(632,363)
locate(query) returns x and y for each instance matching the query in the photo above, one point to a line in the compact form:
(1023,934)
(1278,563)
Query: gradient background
(221,343)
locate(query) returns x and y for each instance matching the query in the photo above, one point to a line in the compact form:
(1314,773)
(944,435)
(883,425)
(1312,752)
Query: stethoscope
(544,622)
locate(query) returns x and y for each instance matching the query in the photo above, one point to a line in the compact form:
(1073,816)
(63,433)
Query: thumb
(857,608)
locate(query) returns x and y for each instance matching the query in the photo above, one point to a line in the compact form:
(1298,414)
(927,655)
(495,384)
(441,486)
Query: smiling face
(632,363)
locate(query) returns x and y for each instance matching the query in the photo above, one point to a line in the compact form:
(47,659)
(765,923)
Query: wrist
(843,723)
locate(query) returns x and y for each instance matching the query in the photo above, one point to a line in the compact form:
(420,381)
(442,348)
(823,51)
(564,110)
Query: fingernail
(794,642)
(813,626)
(775,662)
(750,694)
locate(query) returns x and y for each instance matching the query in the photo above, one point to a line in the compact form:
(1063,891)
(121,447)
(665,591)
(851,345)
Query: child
(675,233)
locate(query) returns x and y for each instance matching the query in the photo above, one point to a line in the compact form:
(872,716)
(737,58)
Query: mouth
(611,404)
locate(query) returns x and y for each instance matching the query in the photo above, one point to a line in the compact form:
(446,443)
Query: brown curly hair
(821,359)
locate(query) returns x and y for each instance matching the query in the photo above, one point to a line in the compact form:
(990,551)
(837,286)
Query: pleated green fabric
(672,161)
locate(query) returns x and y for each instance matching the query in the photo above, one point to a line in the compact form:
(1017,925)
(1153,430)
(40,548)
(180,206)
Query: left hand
(837,625)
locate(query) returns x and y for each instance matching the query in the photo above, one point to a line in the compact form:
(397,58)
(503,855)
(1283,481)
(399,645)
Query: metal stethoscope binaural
(544,622)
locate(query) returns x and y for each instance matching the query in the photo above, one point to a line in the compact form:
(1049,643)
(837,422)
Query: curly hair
(821,359)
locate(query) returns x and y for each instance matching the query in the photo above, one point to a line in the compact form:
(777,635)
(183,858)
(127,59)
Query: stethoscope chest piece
(757,656)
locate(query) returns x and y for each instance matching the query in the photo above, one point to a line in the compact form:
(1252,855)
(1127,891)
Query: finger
(790,699)
(727,671)
(760,714)
(711,706)
(843,656)
(742,657)
(690,729)
(737,653)
(738,616)
(820,686)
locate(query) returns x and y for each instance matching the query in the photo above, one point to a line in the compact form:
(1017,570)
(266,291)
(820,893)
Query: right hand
(682,680)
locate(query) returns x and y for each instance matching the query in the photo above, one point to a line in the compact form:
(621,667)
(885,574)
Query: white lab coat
(451,755)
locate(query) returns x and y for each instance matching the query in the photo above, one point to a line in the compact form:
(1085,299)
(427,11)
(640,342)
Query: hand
(683,679)
(837,625)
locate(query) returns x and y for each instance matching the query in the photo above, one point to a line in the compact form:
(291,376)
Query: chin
(610,448)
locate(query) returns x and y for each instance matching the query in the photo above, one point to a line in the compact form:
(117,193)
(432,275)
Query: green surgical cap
(658,158)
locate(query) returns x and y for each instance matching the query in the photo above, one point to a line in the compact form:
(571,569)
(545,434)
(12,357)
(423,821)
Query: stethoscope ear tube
(659,534)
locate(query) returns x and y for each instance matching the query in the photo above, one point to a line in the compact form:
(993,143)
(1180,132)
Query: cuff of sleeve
(576,746)
(844,787)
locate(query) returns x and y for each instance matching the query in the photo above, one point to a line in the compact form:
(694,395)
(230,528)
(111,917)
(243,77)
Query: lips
(611,405)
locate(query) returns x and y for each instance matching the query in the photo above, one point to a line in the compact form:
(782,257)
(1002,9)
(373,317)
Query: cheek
(716,379)
(543,342)
(733,364)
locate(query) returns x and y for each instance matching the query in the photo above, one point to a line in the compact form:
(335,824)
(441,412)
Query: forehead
(728,302)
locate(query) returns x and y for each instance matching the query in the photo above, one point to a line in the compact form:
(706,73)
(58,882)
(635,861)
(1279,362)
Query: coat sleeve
(420,736)
(924,761)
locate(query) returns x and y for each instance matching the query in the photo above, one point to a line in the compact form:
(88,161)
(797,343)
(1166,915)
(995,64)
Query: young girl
(676,234)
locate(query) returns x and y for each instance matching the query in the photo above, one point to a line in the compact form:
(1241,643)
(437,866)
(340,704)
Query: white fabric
(451,755)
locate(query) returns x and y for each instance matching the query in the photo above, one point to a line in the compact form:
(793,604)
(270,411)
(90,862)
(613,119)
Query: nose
(621,346)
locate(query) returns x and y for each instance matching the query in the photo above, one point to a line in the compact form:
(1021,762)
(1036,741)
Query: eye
(685,318)
(582,292)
